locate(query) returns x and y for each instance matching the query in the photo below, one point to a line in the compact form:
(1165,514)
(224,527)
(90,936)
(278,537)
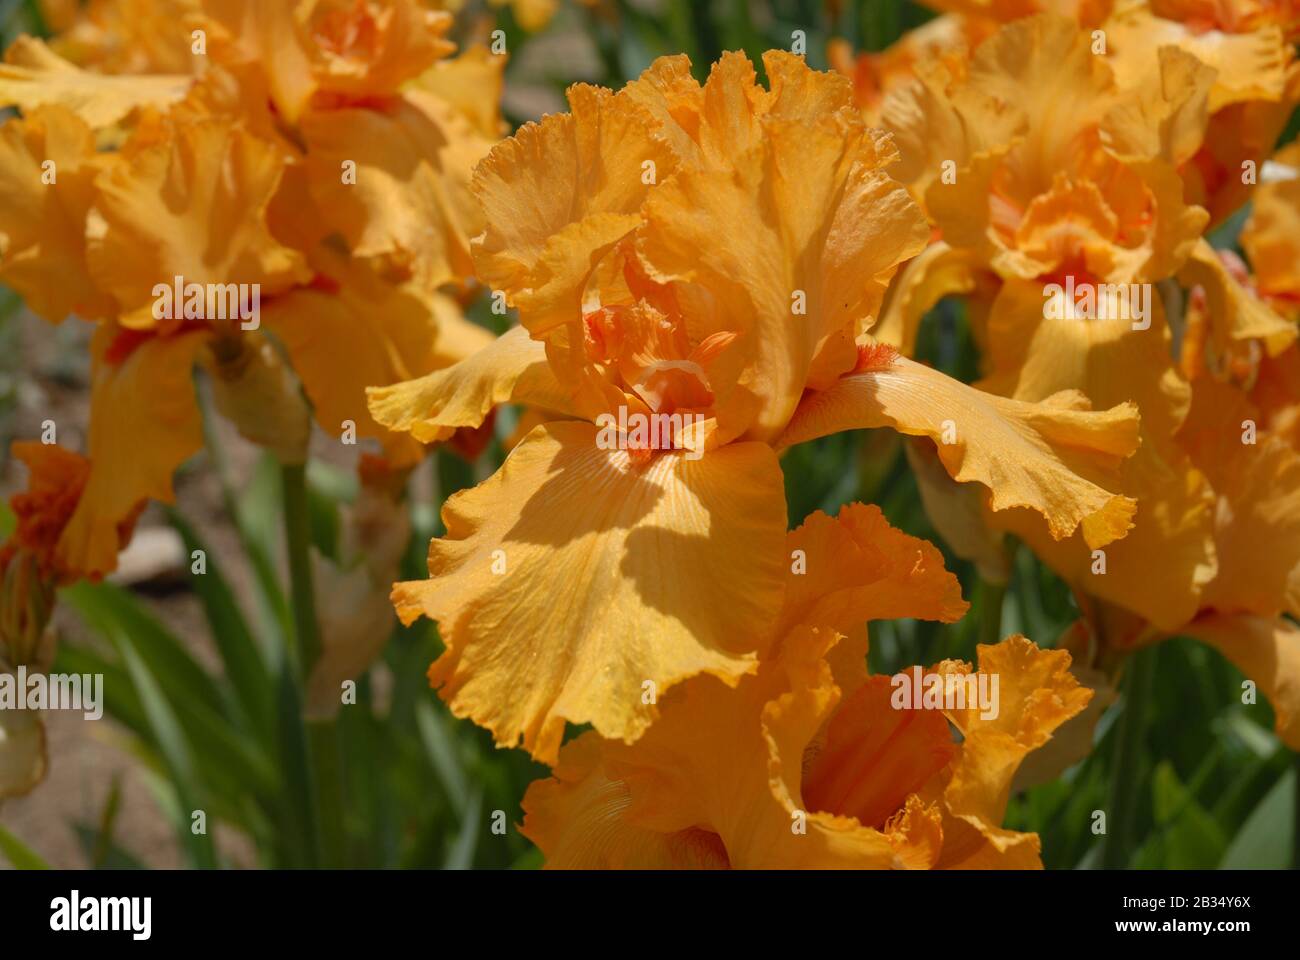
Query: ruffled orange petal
(1268,652)
(937,272)
(33,76)
(857,568)
(43,225)
(1048,456)
(874,756)
(55,480)
(215,182)
(124,36)
(365,50)
(581,179)
(807,262)
(511,368)
(265,34)
(1036,694)
(367,332)
(1257,522)
(780,772)
(1165,115)
(1271,237)
(1249,66)
(651,573)
(576,817)
(732,761)
(410,202)
(144,423)
(471,83)
(1160,568)
(335,52)
(958,513)
(1235,313)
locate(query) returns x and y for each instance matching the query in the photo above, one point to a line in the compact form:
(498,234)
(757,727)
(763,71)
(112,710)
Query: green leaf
(257,517)
(245,665)
(107,821)
(1265,840)
(461,854)
(104,856)
(441,747)
(175,750)
(113,611)
(120,701)
(234,766)
(1185,836)
(21,856)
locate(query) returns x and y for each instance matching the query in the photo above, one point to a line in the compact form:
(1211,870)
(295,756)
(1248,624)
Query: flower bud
(259,394)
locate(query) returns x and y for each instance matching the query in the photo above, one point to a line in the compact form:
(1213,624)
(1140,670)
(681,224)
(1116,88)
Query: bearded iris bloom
(321,157)
(1104,195)
(716,249)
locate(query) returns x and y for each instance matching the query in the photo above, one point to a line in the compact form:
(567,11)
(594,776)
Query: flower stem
(297,529)
(991,597)
(311,751)
(1126,767)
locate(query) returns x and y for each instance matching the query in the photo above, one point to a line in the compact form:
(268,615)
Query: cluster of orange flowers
(748,264)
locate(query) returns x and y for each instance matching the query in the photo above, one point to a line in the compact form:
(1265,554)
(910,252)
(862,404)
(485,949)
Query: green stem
(300,751)
(991,597)
(297,530)
(1126,766)
(322,741)
(327,763)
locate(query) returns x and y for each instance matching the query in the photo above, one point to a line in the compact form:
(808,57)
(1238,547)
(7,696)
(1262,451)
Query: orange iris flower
(717,253)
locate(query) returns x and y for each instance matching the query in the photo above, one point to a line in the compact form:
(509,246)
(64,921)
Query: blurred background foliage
(1208,783)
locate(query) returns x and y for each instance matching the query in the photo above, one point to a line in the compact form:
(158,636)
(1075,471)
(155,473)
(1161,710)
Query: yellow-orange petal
(409,200)
(580,177)
(1257,520)
(144,423)
(576,819)
(937,272)
(193,206)
(853,568)
(34,76)
(1271,237)
(1161,566)
(512,367)
(790,722)
(1049,456)
(957,512)
(807,262)
(472,84)
(732,762)
(874,756)
(1248,66)
(1235,313)
(1166,114)
(336,53)
(55,480)
(367,332)
(573,577)
(1268,652)
(47,170)
(1036,694)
